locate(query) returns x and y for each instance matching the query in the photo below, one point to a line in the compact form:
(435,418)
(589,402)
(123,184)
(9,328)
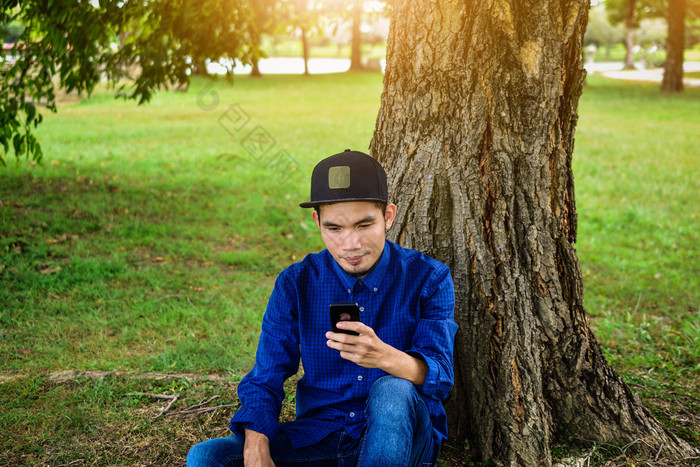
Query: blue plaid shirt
(408,299)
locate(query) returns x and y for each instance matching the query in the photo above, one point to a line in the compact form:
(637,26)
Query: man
(371,399)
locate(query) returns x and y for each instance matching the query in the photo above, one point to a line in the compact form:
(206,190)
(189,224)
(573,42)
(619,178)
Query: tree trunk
(255,72)
(675,44)
(630,25)
(356,53)
(199,67)
(476,131)
(305,48)
(256,53)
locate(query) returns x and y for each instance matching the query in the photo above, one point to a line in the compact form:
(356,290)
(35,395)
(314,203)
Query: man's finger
(337,345)
(349,356)
(356,326)
(340,337)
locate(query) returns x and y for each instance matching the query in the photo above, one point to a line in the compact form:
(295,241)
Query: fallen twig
(167,407)
(204,403)
(77,461)
(157,396)
(201,410)
(627,446)
(172,399)
(659,453)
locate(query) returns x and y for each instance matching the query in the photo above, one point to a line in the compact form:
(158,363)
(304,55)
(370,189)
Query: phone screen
(344,312)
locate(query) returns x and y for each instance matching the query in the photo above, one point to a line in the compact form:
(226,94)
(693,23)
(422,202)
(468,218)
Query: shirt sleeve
(433,341)
(261,391)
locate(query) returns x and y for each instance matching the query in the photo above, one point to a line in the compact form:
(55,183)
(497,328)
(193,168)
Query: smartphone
(344,312)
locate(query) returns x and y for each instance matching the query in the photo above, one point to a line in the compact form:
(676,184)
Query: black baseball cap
(347,176)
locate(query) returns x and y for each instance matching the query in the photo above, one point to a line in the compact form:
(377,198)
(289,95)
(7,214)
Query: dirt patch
(71,375)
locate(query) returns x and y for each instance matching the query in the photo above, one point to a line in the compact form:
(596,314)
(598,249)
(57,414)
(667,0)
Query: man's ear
(317,220)
(389,215)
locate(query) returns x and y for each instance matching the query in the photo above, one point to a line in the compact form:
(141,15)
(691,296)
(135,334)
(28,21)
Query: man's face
(354,233)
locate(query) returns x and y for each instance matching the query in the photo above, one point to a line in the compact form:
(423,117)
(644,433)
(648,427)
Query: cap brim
(313,204)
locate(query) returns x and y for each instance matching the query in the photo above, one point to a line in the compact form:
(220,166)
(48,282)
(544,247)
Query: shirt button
(375,289)
(349,291)
(362,308)
(352,414)
(359,378)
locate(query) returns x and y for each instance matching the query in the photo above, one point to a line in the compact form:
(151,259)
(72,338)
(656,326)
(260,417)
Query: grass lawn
(150,239)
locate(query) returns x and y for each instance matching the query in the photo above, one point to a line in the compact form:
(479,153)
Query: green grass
(169,235)
(168,232)
(638,241)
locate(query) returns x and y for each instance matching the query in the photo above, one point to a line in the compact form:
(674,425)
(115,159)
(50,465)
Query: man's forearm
(403,365)
(256,450)
(369,351)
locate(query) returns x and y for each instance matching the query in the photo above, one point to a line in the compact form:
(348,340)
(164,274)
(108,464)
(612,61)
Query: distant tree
(356,47)
(213,29)
(353,11)
(676,13)
(625,12)
(600,32)
(264,18)
(150,44)
(675,45)
(303,16)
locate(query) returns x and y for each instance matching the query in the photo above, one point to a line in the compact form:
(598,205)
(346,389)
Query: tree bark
(630,26)
(356,52)
(305,48)
(255,59)
(476,131)
(255,72)
(675,45)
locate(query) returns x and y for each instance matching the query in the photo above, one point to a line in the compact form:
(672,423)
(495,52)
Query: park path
(295,65)
(655,75)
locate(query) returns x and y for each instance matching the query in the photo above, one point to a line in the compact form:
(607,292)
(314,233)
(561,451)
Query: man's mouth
(354,260)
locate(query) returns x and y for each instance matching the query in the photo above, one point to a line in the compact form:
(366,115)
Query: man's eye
(365,226)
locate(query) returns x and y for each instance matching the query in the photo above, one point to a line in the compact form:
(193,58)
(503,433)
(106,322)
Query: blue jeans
(398,433)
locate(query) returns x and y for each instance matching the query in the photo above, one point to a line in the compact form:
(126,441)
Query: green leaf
(30,109)
(38,153)
(17,143)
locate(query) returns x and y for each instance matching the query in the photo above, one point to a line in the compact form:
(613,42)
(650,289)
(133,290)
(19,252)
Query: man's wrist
(406,366)
(256,450)
(255,440)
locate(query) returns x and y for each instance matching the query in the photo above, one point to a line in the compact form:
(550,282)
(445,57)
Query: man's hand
(369,351)
(256,450)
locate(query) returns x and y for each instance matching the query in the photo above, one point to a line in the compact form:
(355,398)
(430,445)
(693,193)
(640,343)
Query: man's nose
(351,241)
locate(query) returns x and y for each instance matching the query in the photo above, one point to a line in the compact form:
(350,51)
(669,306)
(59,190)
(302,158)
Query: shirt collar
(373,280)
